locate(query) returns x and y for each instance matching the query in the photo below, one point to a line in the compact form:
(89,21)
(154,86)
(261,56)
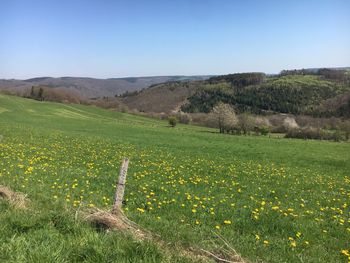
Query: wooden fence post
(120,187)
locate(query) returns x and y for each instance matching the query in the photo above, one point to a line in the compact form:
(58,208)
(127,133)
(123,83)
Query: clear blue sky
(105,39)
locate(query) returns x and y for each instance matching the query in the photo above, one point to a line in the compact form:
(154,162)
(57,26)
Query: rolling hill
(318,92)
(91,87)
(248,92)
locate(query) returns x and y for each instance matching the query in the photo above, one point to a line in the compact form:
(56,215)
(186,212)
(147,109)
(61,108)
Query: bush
(172,121)
(264,130)
(163,116)
(245,123)
(261,121)
(345,127)
(184,118)
(204,119)
(316,134)
(289,123)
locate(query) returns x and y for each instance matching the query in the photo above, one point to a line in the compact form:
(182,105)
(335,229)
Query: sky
(109,39)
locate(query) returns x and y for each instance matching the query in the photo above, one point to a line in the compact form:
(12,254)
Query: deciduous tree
(225,117)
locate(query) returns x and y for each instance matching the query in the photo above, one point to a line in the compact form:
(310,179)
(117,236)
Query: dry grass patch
(114,221)
(15,199)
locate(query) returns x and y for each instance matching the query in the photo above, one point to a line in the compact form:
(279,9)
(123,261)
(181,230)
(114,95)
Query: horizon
(154,76)
(119,39)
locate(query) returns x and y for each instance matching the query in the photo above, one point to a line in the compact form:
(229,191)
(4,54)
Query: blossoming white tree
(225,117)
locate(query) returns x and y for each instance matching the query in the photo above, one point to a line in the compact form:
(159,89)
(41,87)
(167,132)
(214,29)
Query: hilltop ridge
(86,87)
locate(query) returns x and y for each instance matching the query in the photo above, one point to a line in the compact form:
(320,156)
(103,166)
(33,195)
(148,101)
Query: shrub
(316,134)
(345,127)
(172,121)
(264,130)
(184,118)
(163,116)
(289,123)
(261,121)
(204,119)
(245,123)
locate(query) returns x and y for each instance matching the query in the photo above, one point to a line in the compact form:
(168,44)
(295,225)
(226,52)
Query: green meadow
(272,199)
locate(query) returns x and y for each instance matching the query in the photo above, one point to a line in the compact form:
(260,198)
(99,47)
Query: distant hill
(317,91)
(294,92)
(91,87)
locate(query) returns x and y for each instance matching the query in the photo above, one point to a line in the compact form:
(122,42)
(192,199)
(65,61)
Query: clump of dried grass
(226,253)
(15,199)
(114,221)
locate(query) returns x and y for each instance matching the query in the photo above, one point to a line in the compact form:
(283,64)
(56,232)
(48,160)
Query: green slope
(183,184)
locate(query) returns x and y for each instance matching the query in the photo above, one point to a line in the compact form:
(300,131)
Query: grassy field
(273,199)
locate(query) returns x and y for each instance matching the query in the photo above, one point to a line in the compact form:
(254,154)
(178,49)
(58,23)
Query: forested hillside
(295,94)
(317,92)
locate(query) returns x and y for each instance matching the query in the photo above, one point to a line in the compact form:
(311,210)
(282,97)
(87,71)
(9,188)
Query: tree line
(339,75)
(240,79)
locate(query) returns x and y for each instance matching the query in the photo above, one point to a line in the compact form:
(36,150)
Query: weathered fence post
(120,187)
